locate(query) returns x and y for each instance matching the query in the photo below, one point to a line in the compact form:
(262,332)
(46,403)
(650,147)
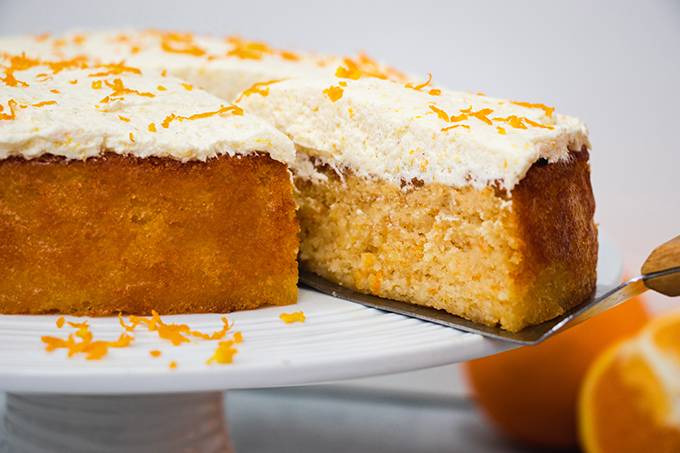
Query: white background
(615,64)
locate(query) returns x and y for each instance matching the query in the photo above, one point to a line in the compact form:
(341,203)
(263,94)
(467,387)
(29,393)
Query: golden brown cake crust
(128,234)
(554,206)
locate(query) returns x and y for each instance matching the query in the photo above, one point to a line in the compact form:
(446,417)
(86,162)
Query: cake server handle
(663,258)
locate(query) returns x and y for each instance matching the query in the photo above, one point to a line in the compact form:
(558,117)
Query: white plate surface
(339,340)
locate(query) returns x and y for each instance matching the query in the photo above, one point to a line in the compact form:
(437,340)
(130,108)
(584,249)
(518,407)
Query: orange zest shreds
(501,130)
(180,43)
(334,93)
(172,365)
(479,114)
(455,126)
(164,73)
(124,118)
(161,88)
(81,342)
(132,137)
(42,75)
(248,50)
(43,103)
(115,69)
(343,83)
(224,353)
(155,353)
(152,127)
(217,335)
(513,120)
(42,37)
(261,88)
(535,124)
(73,82)
(350,70)
(421,85)
(168,119)
(96,84)
(238,337)
(60,322)
(435,92)
(547,109)
(119,90)
(233,109)
(135,49)
(55,91)
(12,115)
(440,113)
(187,86)
(287,55)
(480,93)
(290,318)
(127,327)
(364,66)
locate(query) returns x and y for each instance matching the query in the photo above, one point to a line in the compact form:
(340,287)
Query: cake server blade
(603,299)
(660,272)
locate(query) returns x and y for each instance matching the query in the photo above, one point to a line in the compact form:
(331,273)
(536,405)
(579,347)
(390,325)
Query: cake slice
(224,66)
(126,192)
(478,206)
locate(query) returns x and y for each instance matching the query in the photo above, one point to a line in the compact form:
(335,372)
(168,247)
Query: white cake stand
(129,401)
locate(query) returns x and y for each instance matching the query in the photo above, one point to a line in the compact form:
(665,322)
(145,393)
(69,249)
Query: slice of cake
(224,66)
(478,206)
(121,191)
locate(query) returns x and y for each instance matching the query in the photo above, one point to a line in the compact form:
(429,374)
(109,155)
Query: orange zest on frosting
(12,115)
(289,318)
(155,353)
(124,118)
(261,88)
(233,109)
(333,92)
(420,86)
(440,113)
(172,365)
(132,137)
(180,43)
(60,322)
(187,86)
(120,90)
(448,128)
(115,69)
(547,109)
(152,127)
(43,103)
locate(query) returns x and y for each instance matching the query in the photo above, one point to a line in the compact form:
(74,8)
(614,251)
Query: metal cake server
(660,272)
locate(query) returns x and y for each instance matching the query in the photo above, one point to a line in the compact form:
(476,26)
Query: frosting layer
(73,109)
(222,66)
(401,132)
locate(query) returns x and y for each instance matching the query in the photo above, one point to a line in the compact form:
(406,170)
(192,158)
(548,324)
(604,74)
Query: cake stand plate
(339,340)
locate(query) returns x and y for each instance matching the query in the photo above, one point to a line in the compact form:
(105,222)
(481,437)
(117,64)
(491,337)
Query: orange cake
(121,191)
(478,206)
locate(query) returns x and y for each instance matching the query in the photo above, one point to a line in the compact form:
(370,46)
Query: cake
(478,206)
(224,66)
(127,192)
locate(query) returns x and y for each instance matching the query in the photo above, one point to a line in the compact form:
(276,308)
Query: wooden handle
(664,257)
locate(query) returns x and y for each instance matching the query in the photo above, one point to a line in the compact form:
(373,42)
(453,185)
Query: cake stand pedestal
(167,423)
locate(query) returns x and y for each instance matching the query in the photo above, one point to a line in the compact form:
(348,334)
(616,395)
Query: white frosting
(383,129)
(222,66)
(81,124)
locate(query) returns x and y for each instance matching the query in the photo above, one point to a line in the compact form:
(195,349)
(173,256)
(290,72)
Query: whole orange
(531,393)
